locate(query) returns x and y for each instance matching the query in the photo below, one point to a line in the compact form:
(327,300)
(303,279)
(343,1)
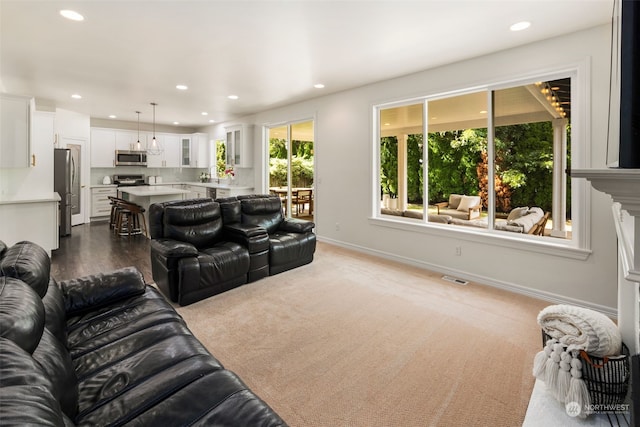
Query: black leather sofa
(106,350)
(201,247)
(292,242)
(191,255)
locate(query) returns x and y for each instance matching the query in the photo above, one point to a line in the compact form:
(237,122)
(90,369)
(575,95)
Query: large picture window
(493,159)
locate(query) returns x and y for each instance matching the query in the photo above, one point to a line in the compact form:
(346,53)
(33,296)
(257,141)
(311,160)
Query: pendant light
(155,147)
(138,145)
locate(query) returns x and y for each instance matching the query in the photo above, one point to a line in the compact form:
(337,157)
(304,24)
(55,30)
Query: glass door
(291,167)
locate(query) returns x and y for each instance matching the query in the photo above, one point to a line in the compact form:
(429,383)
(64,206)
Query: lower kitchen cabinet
(100,203)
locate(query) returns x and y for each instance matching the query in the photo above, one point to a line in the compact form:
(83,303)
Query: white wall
(343,155)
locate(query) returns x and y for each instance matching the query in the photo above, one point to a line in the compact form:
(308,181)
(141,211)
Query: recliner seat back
(200,225)
(265,212)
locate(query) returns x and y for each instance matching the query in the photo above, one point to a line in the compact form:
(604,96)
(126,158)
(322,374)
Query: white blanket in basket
(573,330)
(586,329)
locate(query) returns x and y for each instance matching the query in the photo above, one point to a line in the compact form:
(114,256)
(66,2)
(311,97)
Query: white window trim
(579,247)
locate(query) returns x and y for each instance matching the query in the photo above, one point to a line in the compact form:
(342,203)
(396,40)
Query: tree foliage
(301,163)
(457,164)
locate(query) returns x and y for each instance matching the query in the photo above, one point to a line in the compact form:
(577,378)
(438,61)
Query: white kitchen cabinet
(128,140)
(240,145)
(169,155)
(200,151)
(197,191)
(185,152)
(100,203)
(15,131)
(103,148)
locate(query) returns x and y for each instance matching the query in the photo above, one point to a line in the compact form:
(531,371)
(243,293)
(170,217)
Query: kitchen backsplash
(243,176)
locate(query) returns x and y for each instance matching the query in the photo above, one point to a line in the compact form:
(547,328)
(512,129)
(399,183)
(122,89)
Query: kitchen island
(146,195)
(33,218)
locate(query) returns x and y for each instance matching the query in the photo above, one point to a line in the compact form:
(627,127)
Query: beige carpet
(353,340)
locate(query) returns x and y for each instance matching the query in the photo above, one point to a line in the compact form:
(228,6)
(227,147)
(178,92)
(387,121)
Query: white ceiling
(126,54)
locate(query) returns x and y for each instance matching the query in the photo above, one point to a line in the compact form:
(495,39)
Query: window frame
(579,246)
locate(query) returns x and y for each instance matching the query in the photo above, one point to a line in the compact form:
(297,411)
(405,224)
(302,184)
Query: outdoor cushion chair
(461,207)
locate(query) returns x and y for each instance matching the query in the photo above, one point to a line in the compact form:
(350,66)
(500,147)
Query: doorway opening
(291,167)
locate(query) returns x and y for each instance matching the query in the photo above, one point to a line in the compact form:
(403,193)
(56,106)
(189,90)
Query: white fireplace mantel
(623,185)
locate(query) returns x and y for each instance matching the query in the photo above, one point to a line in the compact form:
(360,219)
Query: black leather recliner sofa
(106,350)
(191,255)
(201,247)
(292,242)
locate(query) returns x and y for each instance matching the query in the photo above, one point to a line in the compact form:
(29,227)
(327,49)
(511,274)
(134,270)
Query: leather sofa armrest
(170,248)
(244,230)
(296,225)
(95,291)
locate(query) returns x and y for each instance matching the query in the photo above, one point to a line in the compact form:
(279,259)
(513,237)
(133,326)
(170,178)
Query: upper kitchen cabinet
(185,152)
(167,154)
(15,123)
(200,150)
(103,148)
(128,140)
(240,145)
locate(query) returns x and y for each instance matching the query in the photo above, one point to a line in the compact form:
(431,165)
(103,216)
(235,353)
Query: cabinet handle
(33,160)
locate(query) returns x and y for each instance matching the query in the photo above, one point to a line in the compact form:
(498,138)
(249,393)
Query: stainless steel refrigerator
(62,184)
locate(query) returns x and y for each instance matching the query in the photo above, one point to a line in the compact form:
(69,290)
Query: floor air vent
(455,280)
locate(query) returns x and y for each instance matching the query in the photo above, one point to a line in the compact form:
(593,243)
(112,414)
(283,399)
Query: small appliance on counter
(158,180)
(106,180)
(128,180)
(151,180)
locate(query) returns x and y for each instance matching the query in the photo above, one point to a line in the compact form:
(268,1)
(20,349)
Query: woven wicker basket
(607,378)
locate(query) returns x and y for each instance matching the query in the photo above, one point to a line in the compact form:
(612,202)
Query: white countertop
(12,199)
(207,185)
(151,190)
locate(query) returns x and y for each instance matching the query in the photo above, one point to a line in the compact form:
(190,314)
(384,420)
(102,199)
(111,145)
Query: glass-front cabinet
(185,151)
(240,146)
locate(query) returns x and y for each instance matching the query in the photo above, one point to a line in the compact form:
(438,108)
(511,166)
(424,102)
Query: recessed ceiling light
(76,96)
(387,124)
(204,113)
(112,116)
(519,26)
(318,85)
(182,87)
(212,121)
(233,97)
(72,14)
(483,112)
(176,123)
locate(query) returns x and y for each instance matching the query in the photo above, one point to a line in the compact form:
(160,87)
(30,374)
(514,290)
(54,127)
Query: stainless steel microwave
(131,158)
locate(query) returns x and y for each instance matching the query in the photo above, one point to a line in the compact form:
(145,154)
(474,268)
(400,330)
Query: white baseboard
(511,287)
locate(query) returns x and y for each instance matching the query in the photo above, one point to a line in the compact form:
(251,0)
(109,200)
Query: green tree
(389,166)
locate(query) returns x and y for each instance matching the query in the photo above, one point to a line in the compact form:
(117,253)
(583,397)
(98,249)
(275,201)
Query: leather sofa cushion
(222,262)
(17,367)
(263,212)
(55,317)
(90,332)
(3,248)
(28,262)
(56,363)
(21,314)
(231,210)
(200,225)
(91,292)
(289,247)
(30,406)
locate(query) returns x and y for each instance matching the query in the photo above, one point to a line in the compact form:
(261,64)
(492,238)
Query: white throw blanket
(586,329)
(572,330)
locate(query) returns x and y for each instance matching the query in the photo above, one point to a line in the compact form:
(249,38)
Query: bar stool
(127,219)
(114,210)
